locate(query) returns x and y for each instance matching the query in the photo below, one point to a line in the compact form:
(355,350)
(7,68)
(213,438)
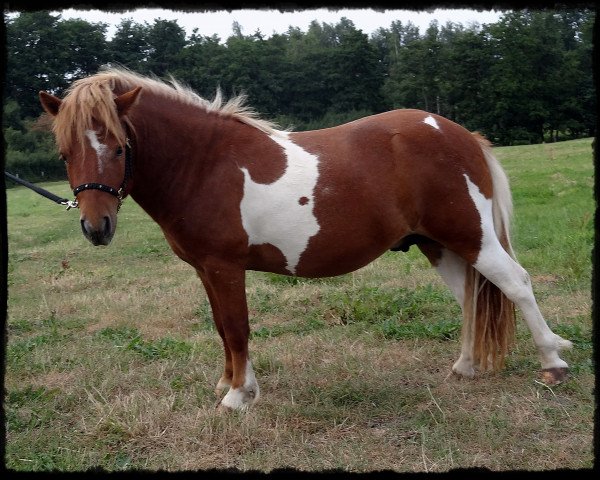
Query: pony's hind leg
(497,266)
(452,268)
(492,310)
(500,268)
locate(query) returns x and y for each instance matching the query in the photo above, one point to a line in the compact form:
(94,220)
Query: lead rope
(41,191)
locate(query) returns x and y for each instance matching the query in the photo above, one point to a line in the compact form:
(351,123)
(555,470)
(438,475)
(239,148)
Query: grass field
(112,357)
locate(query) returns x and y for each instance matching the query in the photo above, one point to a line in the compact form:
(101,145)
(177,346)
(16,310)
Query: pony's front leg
(225,286)
(225,380)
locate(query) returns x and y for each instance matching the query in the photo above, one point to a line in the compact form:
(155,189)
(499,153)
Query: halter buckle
(70,204)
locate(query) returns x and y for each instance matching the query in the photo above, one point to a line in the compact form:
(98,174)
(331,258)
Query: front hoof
(554,376)
(240,398)
(222,409)
(222,385)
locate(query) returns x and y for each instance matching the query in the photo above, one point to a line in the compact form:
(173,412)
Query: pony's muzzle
(100,234)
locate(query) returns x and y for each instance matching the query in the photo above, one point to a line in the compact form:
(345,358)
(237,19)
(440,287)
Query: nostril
(83,227)
(98,233)
(107,228)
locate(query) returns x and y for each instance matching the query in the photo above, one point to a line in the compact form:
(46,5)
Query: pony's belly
(267,258)
(326,259)
(324,256)
(334,266)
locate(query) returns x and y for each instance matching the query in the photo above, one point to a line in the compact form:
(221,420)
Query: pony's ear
(126,100)
(50,103)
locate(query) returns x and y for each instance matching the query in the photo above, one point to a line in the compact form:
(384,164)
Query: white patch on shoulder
(431,121)
(281,213)
(100,148)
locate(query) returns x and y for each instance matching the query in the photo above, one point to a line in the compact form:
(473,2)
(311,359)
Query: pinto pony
(232,193)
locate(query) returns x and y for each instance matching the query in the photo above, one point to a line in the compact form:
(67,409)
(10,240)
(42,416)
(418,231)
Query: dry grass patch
(112,356)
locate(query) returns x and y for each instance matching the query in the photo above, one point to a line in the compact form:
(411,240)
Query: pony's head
(91,131)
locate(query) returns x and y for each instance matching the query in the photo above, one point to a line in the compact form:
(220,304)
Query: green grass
(112,356)
(554,211)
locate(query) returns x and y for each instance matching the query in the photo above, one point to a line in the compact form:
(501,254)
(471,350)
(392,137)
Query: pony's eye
(62,158)
(119,151)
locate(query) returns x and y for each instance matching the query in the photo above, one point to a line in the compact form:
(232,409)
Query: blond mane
(92,98)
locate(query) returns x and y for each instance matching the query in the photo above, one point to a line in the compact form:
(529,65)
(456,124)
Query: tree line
(527,78)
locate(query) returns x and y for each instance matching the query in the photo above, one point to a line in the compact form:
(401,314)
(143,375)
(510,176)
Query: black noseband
(99,186)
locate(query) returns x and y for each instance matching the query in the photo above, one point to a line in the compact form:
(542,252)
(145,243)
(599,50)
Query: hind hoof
(463,369)
(554,376)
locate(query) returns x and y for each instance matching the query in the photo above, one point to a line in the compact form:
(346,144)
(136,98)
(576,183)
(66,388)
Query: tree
(30,38)
(525,75)
(465,62)
(526,78)
(354,69)
(129,45)
(165,41)
(83,46)
(332,68)
(202,63)
(254,66)
(401,85)
(306,84)
(573,99)
(45,53)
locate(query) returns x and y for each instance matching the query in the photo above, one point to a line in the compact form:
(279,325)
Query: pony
(232,192)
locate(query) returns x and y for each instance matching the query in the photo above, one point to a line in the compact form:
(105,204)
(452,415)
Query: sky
(274,21)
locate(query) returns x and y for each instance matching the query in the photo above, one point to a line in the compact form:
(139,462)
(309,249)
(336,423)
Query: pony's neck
(174,141)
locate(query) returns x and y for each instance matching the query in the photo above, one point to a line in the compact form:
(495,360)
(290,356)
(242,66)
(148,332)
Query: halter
(120,193)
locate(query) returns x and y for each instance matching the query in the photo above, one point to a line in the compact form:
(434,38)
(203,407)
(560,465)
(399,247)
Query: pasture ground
(112,357)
